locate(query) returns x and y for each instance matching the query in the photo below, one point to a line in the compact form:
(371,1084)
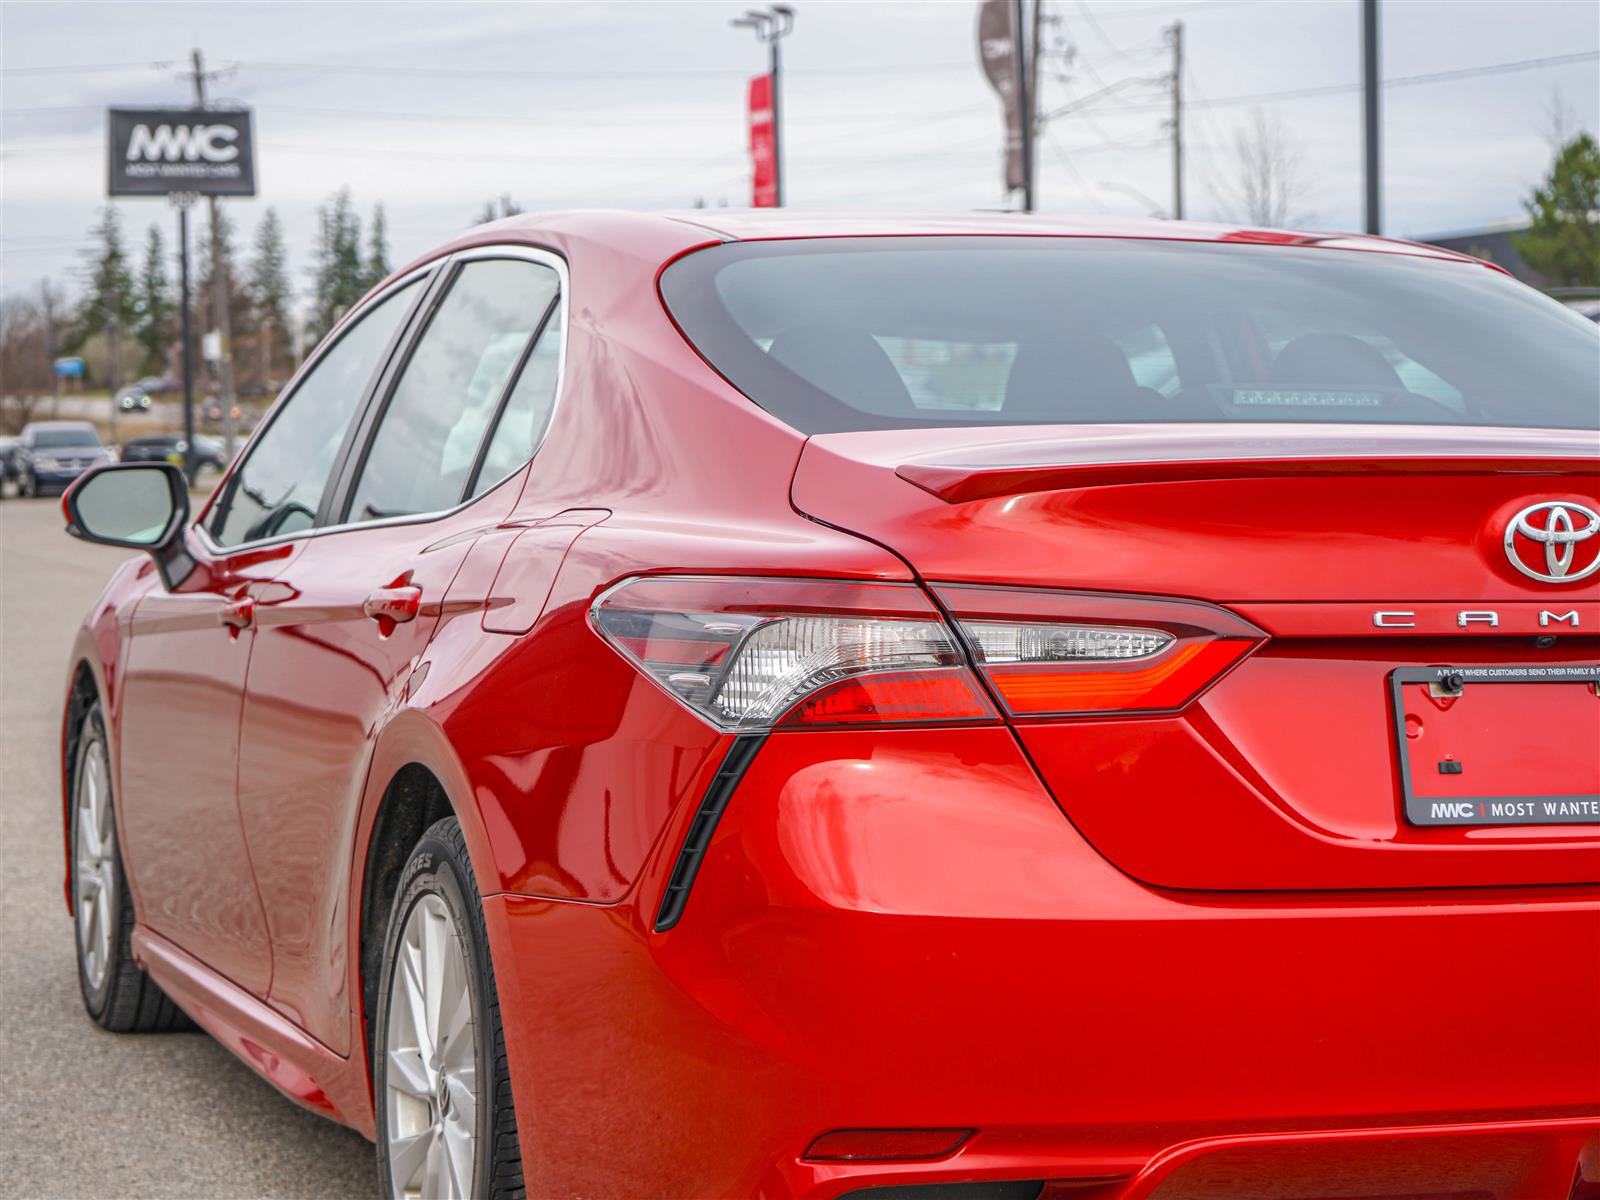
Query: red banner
(763,146)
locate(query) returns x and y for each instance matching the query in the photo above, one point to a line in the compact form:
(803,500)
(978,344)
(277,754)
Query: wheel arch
(415,780)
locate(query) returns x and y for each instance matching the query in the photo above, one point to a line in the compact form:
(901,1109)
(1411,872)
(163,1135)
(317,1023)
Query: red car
(973,707)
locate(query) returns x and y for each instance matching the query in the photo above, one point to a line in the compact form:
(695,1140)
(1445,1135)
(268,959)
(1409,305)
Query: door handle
(239,614)
(394,605)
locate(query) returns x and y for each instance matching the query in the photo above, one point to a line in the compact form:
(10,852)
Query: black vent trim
(734,764)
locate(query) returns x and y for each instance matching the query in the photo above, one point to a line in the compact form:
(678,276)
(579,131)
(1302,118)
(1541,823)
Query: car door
(189,650)
(334,655)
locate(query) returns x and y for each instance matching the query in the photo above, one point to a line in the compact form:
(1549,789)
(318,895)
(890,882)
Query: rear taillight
(752,653)
(1073,653)
(758,653)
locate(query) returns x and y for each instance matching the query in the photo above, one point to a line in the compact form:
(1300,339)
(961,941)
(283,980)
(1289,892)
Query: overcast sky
(433,108)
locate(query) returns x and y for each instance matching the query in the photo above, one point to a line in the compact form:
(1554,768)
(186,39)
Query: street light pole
(182,201)
(772,25)
(1371,115)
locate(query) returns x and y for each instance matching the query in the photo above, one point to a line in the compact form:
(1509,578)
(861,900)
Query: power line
(1331,89)
(1127,12)
(84,68)
(539,73)
(1112,48)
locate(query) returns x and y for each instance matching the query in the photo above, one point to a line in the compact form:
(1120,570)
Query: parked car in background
(973,706)
(154,384)
(133,399)
(50,454)
(7,446)
(170,447)
(212,412)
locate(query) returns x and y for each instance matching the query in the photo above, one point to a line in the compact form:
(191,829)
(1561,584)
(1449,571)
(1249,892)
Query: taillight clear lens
(751,653)
(1073,653)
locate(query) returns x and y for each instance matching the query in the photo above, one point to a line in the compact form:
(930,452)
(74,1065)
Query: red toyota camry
(975,708)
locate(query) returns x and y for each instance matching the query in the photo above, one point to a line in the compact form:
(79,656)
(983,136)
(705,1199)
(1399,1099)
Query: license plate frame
(1499,809)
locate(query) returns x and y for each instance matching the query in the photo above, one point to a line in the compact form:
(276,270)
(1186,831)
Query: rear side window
(427,441)
(521,425)
(277,488)
(835,334)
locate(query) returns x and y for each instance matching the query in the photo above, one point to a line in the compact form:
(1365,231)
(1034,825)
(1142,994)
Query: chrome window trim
(444,263)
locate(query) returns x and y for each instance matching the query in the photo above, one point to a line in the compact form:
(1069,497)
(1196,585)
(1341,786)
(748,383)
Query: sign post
(182,154)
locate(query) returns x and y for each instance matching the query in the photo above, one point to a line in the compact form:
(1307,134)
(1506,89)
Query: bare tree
(1271,179)
(25,361)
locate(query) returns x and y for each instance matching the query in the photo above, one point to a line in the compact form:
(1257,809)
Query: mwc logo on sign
(157,151)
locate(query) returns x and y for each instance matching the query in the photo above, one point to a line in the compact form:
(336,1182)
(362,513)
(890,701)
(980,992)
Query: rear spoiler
(1101,455)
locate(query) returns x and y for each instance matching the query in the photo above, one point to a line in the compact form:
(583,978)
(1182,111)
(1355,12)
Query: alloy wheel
(431,1048)
(93,874)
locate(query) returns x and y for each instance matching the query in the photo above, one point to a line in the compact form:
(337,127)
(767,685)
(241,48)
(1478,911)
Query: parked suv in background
(169,447)
(51,454)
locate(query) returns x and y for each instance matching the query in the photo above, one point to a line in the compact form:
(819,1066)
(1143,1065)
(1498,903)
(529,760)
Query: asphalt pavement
(85,1113)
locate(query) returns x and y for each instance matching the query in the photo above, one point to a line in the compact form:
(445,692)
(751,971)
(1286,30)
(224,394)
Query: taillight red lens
(1074,653)
(751,653)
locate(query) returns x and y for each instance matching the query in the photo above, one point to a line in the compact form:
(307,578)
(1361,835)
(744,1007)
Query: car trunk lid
(1360,552)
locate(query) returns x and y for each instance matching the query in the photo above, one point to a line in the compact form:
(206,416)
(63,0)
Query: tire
(25,486)
(436,936)
(116,994)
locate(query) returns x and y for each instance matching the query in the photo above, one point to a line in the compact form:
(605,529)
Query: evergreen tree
(376,269)
(270,294)
(493,210)
(1563,238)
(336,274)
(109,303)
(156,303)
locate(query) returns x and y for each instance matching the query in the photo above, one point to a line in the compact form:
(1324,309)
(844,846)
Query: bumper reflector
(886,1145)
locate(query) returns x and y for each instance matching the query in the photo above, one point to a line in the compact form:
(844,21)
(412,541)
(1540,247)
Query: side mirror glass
(140,506)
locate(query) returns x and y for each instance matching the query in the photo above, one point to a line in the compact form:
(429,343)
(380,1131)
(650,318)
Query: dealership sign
(155,151)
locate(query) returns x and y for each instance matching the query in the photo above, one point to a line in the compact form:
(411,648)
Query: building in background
(1497,244)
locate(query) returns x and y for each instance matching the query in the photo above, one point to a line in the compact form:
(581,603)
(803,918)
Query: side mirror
(140,506)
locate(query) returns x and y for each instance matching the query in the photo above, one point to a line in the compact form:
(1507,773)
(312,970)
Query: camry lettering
(1401,618)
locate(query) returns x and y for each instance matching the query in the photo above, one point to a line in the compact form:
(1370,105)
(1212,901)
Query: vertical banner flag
(763,157)
(997,51)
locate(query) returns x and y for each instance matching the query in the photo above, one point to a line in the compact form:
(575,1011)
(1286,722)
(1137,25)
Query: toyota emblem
(1554,541)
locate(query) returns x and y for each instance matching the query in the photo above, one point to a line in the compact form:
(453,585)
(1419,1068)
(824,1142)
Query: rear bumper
(902,930)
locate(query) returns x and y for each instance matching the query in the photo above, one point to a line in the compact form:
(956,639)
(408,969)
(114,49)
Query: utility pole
(114,355)
(1175,35)
(1370,113)
(221,318)
(182,201)
(1025,97)
(772,25)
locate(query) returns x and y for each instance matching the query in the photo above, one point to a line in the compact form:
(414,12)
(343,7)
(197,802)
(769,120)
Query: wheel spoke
(411,985)
(435,931)
(407,1156)
(455,1010)
(409,1074)
(458,1157)
(463,1102)
(88,836)
(436,1175)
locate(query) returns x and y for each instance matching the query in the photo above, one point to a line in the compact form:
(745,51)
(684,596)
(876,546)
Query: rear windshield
(61,439)
(835,334)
